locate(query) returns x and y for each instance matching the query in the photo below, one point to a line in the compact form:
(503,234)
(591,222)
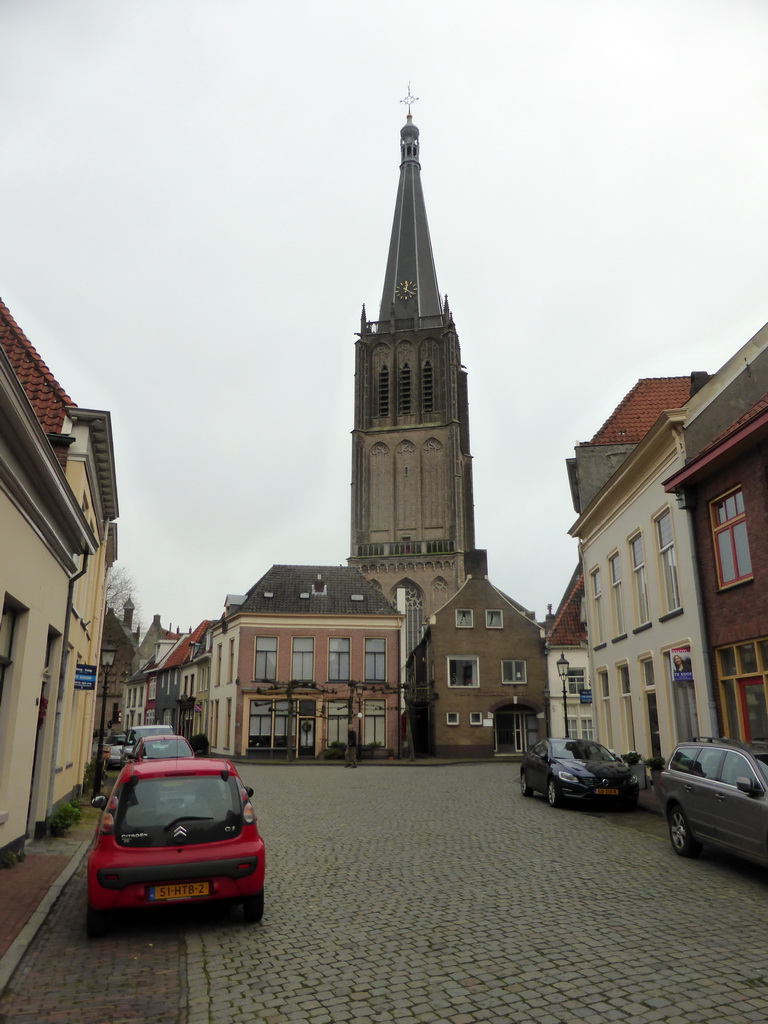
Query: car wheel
(525,789)
(554,795)
(95,923)
(680,836)
(253,907)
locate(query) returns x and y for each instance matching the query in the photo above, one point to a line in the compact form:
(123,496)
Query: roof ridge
(46,396)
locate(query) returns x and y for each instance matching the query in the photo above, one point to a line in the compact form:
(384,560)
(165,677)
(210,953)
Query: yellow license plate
(179,891)
(607,792)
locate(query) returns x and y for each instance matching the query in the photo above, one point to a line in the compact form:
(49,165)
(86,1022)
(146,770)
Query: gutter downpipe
(62,685)
(713,727)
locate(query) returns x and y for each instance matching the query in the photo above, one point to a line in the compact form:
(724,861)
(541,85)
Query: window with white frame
(641,586)
(667,560)
(152,690)
(338,659)
(576,680)
(374,722)
(629,723)
(375,660)
(463,672)
(475,718)
(338,712)
(493,618)
(513,671)
(617,601)
(266,658)
(648,674)
(7,629)
(452,718)
(302,658)
(464,618)
(597,605)
(603,687)
(586,729)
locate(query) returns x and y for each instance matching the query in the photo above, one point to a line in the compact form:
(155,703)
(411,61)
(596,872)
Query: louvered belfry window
(384,391)
(405,389)
(427,388)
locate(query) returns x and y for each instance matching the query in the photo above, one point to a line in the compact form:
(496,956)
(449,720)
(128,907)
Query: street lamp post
(562,670)
(108,652)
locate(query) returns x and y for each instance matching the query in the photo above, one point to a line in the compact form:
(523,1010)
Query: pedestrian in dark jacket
(350,754)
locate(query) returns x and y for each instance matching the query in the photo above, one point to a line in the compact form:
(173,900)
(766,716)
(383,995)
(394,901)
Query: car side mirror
(249,790)
(745,785)
(99,801)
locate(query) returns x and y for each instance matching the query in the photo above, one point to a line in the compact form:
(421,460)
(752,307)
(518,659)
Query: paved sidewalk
(29,890)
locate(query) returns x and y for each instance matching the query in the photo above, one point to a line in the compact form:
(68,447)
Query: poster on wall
(682,671)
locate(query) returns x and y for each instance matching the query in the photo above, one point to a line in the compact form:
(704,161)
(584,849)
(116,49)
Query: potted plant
(655,763)
(636,766)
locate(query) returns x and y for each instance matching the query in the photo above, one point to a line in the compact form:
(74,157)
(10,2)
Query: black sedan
(577,769)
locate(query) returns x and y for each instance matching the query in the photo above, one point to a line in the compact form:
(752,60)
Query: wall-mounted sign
(682,671)
(85,677)
(585,696)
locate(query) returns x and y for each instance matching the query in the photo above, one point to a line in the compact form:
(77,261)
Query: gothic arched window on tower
(414,612)
(384,391)
(405,389)
(427,387)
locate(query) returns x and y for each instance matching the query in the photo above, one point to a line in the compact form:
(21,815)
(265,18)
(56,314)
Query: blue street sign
(585,696)
(85,677)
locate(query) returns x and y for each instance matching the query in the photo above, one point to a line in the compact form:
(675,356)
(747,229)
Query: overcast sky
(197,201)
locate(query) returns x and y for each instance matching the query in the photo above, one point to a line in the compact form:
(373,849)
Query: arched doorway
(516,728)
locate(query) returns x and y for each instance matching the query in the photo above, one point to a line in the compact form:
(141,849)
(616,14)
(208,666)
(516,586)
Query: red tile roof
(760,406)
(568,630)
(46,395)
(634,416)
(180,653)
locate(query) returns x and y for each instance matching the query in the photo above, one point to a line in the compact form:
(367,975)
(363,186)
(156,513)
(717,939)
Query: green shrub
(656,761)
(200,744)
(632,757)
(88,775)
(65,817)
(334,752)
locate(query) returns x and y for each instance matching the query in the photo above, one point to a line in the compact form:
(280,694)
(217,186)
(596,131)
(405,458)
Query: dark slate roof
(332,590)
(410,249)
(45,394)
(634,416)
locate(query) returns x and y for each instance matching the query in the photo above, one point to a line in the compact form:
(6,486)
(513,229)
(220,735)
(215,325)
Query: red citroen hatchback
(180,831)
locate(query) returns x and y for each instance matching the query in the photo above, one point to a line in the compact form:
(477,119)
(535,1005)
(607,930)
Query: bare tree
(121,588)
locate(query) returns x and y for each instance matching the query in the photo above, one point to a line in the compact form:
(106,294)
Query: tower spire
(410,281)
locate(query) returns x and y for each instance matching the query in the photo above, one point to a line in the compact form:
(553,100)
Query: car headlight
(567,776)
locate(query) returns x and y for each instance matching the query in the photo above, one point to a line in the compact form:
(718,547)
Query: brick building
(476,682)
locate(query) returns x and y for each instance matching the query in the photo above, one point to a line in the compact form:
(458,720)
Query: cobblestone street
(426,894)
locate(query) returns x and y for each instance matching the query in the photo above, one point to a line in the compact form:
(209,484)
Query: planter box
(640,773)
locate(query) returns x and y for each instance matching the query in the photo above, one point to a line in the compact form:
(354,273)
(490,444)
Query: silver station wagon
(714,792)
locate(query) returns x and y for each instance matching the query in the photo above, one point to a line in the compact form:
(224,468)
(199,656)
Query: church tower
(412,503)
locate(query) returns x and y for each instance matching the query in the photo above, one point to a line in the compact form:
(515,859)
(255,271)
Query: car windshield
(582,750)
(166,748)
(150,811)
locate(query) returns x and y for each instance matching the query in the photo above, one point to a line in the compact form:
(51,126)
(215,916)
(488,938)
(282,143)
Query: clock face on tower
(405,290)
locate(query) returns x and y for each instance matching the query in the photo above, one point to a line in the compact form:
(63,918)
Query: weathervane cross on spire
(409,99)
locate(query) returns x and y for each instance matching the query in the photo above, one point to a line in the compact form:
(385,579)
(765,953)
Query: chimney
(476,563)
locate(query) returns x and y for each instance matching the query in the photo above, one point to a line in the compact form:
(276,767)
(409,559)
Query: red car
(153,747)
(175,832)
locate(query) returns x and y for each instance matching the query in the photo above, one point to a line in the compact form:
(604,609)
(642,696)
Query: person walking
(350,754)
